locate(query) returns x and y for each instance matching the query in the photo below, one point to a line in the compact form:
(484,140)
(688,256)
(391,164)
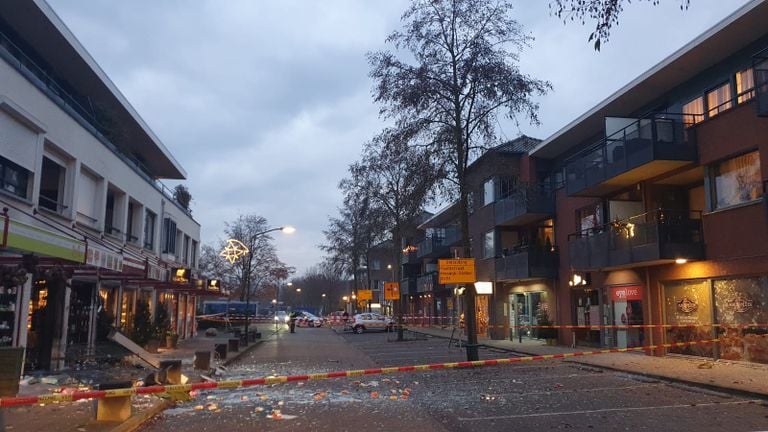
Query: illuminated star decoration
(234,250)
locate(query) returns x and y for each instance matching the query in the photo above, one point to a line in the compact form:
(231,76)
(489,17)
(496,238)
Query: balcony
(644,149)
(760,70)
(438,245)
(426,282)
(527,204)
(527,262)
(657,237)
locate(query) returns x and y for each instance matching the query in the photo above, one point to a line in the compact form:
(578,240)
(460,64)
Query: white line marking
(609,410)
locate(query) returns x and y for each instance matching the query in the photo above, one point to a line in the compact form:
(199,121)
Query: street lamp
(235,249)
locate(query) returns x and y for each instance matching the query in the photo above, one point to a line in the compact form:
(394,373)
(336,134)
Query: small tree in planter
(542,316)
(143,331)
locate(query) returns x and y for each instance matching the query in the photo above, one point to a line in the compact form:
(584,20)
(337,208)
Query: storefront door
(523,318)
(627,310)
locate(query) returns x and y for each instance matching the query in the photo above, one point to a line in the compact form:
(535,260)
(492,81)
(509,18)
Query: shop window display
(688,308)
(739,305)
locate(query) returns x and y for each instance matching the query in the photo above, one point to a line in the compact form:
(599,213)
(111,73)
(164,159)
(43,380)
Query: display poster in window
(740,303)
(688,304)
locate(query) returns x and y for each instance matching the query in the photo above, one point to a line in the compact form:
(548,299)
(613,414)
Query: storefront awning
(30,239)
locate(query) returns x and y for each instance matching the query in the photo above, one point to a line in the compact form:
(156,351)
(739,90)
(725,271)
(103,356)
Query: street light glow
(298,290)
(288,229)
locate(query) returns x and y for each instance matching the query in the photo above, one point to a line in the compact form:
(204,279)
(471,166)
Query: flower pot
(171,341)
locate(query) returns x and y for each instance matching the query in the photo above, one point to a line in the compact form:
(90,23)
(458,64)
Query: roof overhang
(736,31)
(42,30)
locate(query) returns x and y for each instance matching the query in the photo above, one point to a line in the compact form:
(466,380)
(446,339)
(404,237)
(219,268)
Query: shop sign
(456,271)
(214,285)
(686,305)
(627,293)
(364,295)
(740,304)
(104,259)
(27,238)
(181,275)
(391,290)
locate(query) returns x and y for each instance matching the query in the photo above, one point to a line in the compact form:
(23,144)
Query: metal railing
(659,234)
(524,199)
(51,204)
(662,136)
(74,106)
(527,262)
(426,282)
(437,244)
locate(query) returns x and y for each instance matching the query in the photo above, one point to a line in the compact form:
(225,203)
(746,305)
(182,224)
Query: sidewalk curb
(135,421)
(708,386)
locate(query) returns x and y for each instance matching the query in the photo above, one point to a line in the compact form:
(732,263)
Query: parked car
(307,319)
(371,321)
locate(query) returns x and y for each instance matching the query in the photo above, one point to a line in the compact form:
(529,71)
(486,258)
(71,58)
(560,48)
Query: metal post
(247,294)
(470,321)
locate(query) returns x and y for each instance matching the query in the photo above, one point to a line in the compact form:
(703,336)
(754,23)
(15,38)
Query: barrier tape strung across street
(436,323)
(235,384)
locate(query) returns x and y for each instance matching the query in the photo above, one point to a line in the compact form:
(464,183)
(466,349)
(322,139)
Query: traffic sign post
(456,271)
(391,290)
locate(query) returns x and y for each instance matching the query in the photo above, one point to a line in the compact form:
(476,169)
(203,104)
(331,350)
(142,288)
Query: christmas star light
(234,250)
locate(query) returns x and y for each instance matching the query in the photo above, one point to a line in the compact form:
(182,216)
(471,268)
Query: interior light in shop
(681,261)
(578,280)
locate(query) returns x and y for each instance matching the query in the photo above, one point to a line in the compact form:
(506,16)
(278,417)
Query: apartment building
(662,218)
(85,217)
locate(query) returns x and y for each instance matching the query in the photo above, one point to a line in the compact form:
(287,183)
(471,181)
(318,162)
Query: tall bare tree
(605,14)
(454,71)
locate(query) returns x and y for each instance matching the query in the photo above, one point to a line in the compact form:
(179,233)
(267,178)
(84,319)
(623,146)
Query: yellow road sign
(391,291)
(456,271)
(364,295)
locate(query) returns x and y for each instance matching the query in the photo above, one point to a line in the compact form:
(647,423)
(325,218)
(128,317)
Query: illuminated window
(745,84)
(489,245)
(737,181)
(694,111)
(719,100)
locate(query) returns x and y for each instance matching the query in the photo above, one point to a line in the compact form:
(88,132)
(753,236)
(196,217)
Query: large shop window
(13,178)
(737,181)
(688,310)
(739,305)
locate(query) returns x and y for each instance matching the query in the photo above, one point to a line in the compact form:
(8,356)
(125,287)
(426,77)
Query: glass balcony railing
(527,262)
(660,138)
(526,204)
(438,245)
(658,236)
(426,282)
(760,71)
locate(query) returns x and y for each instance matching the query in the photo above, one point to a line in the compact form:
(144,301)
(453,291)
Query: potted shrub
(549,334)
(163,327)
(143,331)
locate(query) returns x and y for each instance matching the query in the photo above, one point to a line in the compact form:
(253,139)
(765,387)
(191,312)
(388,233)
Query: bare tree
(605,14)
(456,71)
(265,266)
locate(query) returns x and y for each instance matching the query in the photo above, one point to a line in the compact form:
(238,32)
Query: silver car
(371,321)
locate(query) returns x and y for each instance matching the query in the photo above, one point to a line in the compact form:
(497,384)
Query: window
(149,230)
(169,236)
(52,186)
(87,199)
(589,218)
(375,264)
(745,85)
(185,256)
(693,111)
(719,100)
(13,178)
(193,258)
(488,190)
(489,245)
(109,219)
(471,202)
(737,181)
(133,227)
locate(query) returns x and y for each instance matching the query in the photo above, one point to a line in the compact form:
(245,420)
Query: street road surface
(542,395)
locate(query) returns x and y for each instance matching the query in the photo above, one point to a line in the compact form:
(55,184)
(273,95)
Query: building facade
(86,220)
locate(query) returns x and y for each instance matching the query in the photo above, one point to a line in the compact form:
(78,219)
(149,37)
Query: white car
(371,321)
(282,317)
(306,319)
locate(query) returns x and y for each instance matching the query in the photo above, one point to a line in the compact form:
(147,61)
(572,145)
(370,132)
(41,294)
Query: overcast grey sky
(265,103)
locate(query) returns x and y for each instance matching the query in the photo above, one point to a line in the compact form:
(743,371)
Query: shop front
(733,309)
(586,305)
(626,316)
(529,306)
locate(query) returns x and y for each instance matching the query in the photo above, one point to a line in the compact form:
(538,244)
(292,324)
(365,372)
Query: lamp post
(235,249)
(274,312)
(322,306)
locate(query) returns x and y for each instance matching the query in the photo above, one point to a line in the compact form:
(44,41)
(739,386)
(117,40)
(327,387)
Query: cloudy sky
(265,103)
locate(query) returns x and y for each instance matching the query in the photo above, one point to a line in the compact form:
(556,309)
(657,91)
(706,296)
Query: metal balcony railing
(760,71)
(527,262)
(426,282)
(662,234)
(525,200)
(438,245)
(660,137)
